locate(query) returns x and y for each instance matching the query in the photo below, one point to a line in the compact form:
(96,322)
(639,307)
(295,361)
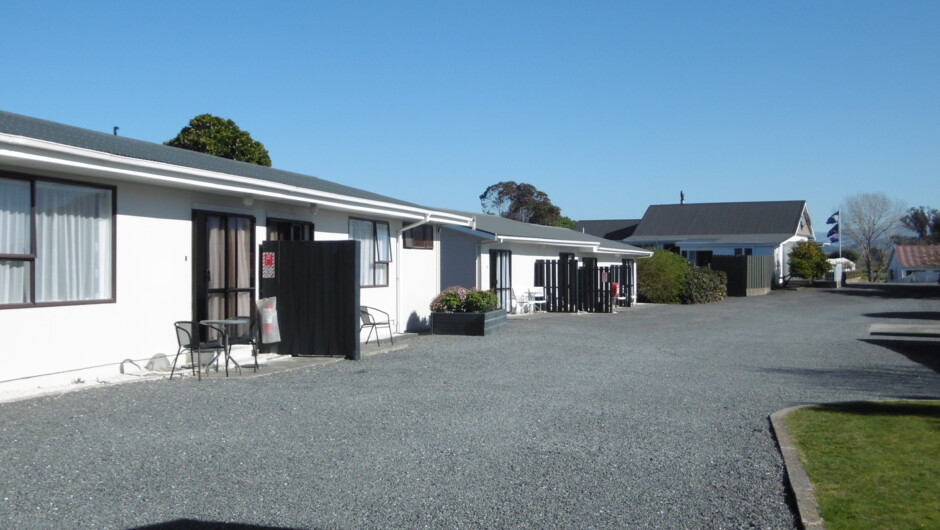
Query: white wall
(154,271)
(420,283)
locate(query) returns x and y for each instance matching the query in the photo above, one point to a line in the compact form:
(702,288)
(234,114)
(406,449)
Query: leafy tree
(220,137)
(870,220)
(522,202)
(566,222)
(808,261)
(923,221)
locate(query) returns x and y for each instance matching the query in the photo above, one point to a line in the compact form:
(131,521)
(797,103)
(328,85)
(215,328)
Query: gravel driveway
(656,417)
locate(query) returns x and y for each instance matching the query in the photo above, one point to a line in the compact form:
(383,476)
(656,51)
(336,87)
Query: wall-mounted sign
(267,265)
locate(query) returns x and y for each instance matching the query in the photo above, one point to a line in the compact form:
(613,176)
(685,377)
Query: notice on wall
(267,265)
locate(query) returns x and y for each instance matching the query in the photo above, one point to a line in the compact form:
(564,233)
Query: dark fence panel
(569,288)
(747,275)
(317,290)
(594,289)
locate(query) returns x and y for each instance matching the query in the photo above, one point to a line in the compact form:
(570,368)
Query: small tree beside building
(808,261)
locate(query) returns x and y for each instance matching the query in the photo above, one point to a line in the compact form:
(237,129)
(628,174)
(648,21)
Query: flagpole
(839,226)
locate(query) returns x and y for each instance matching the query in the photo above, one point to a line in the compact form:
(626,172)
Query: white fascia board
(41,154)
(553,242)
(637,253)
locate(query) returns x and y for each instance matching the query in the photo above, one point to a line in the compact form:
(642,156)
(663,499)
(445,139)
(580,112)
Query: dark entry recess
(501,277)
(317,290)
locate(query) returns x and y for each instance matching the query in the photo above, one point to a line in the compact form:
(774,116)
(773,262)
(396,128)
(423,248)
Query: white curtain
(241,233)
(216,257)
(504,279)
(362,231)
(14,239)
(73,243)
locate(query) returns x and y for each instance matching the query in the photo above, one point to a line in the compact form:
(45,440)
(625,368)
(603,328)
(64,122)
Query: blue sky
(606,106)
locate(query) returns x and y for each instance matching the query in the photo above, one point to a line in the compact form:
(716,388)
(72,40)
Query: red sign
(267,265)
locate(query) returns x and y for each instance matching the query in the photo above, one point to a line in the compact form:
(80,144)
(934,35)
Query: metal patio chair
(187,336)
(373,319)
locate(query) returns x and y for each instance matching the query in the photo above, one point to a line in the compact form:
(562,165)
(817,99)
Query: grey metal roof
(19,125)
(613,229)
(724,222)
(501,226)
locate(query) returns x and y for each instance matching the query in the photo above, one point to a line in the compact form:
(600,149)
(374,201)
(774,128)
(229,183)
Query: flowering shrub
(462,300)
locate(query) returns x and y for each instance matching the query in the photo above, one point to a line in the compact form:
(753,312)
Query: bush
(704,285)
(808,261)
(481,301)
(462,300)
(661,278)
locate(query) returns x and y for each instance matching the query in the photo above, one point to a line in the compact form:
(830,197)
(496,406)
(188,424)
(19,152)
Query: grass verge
(873,465)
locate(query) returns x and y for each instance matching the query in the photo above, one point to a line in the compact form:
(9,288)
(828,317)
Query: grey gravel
(656,417)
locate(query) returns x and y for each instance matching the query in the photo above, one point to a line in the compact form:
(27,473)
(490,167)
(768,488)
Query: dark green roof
(613,229)
(38,129)
(721,222)
(501,226)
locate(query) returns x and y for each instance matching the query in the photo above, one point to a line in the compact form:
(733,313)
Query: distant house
(700,231)
(914,263)
(613,229)
(500,254)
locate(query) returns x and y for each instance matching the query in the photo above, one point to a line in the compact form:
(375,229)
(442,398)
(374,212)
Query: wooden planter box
(468,323)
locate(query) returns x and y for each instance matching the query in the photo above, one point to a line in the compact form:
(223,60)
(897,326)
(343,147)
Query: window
(743,251)
(419,237)
(282,230)
(375,251)
(56,242)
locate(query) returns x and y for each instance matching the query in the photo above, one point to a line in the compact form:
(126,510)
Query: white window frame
(376,250)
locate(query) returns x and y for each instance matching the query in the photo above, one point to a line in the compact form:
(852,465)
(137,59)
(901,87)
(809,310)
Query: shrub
(458,299)
(808,261)
(661,278)
(481,301)
(704,285)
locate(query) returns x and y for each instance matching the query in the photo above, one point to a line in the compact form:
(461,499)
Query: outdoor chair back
(188,338)
(373,319)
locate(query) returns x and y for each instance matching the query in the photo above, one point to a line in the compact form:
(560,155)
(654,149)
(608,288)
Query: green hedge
(661,278)
(704,285)
(667,278)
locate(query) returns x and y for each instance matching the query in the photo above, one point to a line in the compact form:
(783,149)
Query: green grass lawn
(873,465)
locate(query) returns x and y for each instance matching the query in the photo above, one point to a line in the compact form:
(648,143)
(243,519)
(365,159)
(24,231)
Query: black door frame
(503,292)
(201,290)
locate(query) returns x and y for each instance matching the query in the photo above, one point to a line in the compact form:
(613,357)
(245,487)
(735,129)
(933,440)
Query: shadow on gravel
(875,408)
(181,524)
(925,352)
(889,290)
(867,380)
(909,315)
